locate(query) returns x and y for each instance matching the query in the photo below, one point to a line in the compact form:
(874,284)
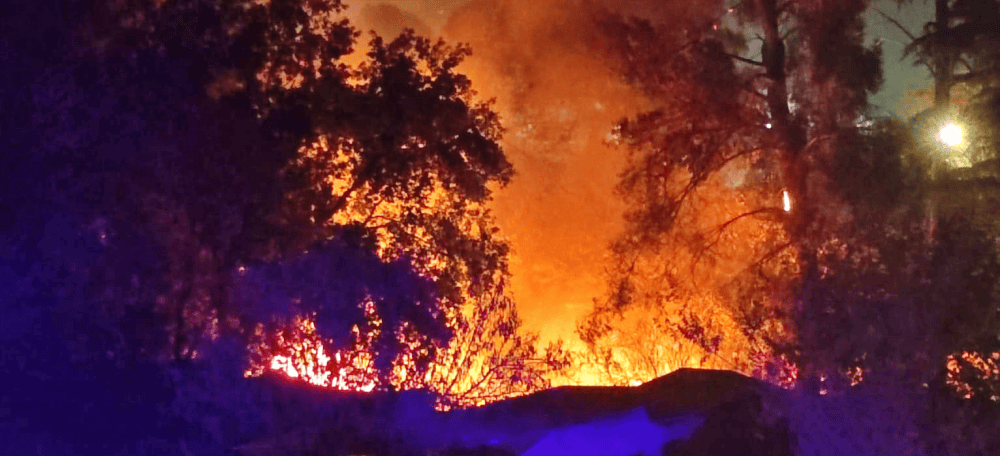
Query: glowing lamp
(951,135)
(786,201)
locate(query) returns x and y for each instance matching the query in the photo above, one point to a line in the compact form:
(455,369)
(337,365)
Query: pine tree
(779,122)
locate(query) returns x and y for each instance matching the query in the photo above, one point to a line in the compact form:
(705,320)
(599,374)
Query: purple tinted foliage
(331,283)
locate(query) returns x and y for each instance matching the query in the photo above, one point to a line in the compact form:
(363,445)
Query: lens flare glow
(951,135)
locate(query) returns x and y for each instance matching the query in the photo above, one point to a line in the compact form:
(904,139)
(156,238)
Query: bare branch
(698,179)
(730,158)
(722,228)
(897,24)
(745,60)
(688,189)
(773,253)
(488,375)
(968,77)
(813,141)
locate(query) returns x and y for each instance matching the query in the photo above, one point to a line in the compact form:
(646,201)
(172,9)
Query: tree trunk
(788,137)
(944,61)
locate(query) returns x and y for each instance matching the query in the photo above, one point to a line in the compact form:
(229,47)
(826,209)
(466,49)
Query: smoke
(389,17)
(389,21)
(546,64)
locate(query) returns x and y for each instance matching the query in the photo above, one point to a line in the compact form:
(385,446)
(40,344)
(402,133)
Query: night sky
(901,77)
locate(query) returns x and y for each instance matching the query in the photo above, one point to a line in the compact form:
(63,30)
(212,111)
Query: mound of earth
(688,412)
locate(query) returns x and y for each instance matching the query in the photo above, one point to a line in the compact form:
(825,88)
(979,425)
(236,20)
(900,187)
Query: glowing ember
(985,367)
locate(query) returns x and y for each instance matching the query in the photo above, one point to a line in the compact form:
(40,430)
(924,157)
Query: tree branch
(744,60)
(489,374)
(371,214)
(812,142)
(774,252)
(967,77)
(721,228)
(965,62)
(897,24)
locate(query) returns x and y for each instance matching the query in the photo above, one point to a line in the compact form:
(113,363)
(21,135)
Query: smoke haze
(546,64)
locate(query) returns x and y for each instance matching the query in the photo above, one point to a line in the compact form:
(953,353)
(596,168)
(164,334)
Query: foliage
(958,50)
(955,49)
(175,158)
(489,359)
(743,167)
(339,287)
(879,273)
(486,360)
(702,188)
(638,346)
(958,38)
(406,154)
(228,191)
(854,279)
(331,143)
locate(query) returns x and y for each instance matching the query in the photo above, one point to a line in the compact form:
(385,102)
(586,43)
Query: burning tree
(758,166)
(832,268)
(735,171)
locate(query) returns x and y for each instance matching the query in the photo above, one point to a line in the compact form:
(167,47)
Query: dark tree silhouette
(162,152)
(856,280)
(738,165)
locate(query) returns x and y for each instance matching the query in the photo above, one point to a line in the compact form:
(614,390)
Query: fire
(986,368)
(486,361)
(298,352)
(565,103)
(681,287)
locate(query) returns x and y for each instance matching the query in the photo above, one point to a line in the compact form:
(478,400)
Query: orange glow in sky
(559,102)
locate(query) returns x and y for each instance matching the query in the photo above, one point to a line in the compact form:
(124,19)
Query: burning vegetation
(233,189)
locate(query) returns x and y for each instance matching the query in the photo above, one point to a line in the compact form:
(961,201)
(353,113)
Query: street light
(952,137)
(951,134)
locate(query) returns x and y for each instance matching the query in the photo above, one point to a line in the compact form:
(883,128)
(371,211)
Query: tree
(955,48)
(169,147)
(726,116)
(395,155)
(484,358)
(412,165)
(640,344)
(952,46)
(489,359)
(846,285)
